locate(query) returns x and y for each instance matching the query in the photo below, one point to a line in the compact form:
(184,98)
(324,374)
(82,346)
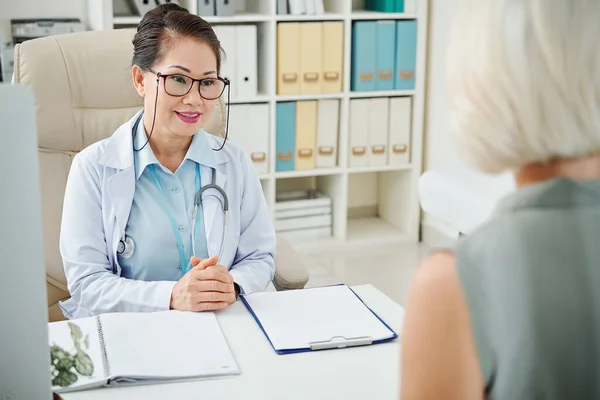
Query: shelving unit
(371,204)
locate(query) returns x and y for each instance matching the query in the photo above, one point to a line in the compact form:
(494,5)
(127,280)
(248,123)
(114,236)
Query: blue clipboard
(329,344)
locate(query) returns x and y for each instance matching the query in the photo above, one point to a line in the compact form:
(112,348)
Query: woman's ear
(138,80)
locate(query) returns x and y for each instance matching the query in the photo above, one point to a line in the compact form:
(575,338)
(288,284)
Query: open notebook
(137,348)
(316,319)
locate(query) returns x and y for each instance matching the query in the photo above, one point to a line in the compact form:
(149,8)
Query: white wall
(439,151)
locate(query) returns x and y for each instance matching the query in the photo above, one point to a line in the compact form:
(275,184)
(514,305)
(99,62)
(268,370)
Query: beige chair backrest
(83,92)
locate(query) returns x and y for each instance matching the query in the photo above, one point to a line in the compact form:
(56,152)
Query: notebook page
(75,355)
(293,319)
(169,344)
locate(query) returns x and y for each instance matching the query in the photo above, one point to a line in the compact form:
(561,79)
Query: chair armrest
(290,270)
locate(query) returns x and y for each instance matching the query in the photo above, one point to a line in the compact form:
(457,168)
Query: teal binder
(285,140)
(406,55)
(387,6)
(364,54)
(399,6)
(386,51)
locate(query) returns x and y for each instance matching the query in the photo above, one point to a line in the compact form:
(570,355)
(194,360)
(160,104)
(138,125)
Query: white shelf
(310,172)
(364,14)
(383,168)
(316,17)
(392,189)
(261,98)
(302,97)
(126,20)
(381,93)
(238,18)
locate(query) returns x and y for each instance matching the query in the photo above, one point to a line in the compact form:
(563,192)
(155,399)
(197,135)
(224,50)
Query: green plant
(65,366)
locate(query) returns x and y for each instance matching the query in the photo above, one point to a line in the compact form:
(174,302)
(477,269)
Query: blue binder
(406,54)
(399,6)
(326,344)
(285,140)
(364,54)
(386,51)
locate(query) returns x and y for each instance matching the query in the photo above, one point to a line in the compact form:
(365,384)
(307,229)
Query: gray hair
(523,80)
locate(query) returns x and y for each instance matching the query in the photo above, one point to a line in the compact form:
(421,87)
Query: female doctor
(163,215)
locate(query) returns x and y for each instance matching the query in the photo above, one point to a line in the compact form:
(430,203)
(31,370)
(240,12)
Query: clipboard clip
(340,342)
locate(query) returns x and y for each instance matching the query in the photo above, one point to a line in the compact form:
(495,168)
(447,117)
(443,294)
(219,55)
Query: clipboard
(266,308)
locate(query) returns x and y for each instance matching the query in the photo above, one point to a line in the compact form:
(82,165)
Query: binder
(387,6)
(319,7)
(288,58)
(285,141)
(364,55)
(325,318)
(306,134)
(378,131)
(310,57)
(225,8)
(333,57)
(399,6)
(309,7)
(359,132)
(400,130)
(206,7)
(226,35)
(386,49)
(246,58)
(297,7)
(406,54)
(250,130)
(282,7)
(327,133)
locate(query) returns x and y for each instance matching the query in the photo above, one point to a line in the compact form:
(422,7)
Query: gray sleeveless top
(531,279)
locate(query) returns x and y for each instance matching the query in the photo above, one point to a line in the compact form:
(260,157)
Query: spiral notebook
(137,348)
(330,317)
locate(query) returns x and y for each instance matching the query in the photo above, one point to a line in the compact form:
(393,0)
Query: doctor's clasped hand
(205,287)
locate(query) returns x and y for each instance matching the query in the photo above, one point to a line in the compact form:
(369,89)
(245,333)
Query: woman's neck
(169,149)
(584,168)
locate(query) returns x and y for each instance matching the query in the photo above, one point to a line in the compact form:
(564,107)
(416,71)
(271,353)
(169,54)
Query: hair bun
(158,14)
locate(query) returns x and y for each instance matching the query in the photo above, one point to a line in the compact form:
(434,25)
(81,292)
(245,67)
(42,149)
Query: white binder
(327,133)
(309,6)
(246,60)
(205,8)
(378,131)
(359,132)
(297,7)
(410,6)
(249,129)
(226,35)
(319,7)
(399,130)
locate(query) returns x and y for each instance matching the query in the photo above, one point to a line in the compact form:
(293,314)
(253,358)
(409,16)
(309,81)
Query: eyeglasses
(179,85)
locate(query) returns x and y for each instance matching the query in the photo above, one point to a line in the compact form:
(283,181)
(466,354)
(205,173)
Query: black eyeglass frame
(225,81)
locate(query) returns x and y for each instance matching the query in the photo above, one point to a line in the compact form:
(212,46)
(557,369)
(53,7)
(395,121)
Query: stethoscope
(126,246)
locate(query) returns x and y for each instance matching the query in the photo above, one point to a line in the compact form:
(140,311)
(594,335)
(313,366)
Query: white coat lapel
(121,186)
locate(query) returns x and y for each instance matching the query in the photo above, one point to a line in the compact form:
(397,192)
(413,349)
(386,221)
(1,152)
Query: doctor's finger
(208,306)
(212,297)
(200,263)
(214,286)
(213,274)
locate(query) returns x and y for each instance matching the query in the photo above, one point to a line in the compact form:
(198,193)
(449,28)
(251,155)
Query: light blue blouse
(156,256)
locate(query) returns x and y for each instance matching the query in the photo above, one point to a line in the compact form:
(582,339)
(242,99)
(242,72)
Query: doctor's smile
(153,216)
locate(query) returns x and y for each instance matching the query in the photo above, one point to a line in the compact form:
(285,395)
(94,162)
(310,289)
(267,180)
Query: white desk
(369,372)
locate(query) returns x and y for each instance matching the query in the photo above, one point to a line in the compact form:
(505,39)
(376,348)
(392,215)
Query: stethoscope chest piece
(126,247)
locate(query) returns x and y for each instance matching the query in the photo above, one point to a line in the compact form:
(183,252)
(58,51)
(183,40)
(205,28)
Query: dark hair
(164,24)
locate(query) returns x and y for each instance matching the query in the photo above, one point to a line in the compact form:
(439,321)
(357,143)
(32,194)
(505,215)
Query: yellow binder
(311,57)
(306,134)
(333,57)
(288,58)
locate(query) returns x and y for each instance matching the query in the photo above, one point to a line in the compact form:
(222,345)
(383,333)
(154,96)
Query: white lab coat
(98,199)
